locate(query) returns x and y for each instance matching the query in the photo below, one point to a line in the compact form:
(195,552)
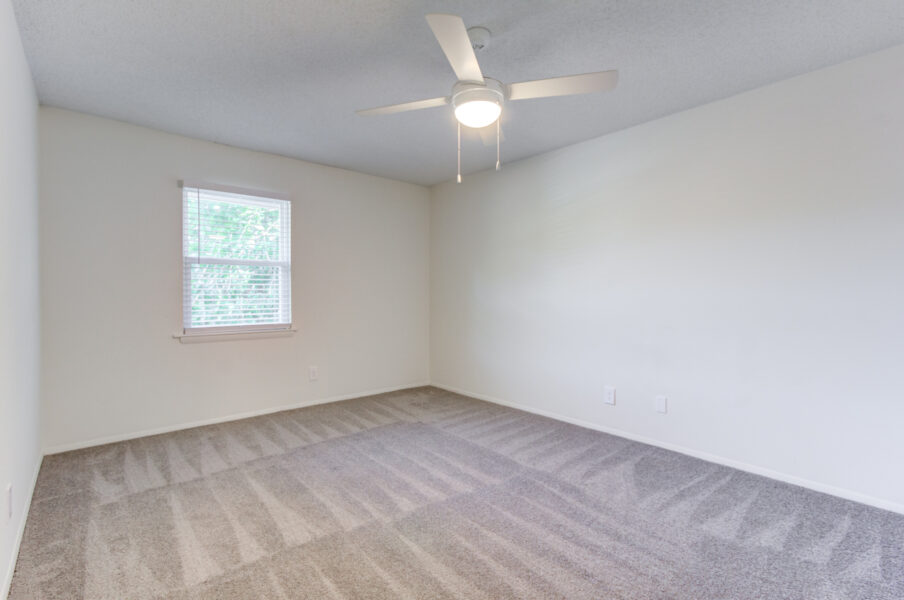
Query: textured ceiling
(285,76)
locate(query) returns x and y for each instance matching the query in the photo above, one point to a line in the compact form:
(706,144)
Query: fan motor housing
(466,91)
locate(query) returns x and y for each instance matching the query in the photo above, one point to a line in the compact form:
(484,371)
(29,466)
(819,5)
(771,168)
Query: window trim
(224,336)
(231,189)
(222,332)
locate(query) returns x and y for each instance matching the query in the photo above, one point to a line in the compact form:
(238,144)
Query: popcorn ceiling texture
(284,76)
(428,494)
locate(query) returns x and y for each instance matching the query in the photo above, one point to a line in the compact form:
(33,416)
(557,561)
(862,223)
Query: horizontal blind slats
(236,255)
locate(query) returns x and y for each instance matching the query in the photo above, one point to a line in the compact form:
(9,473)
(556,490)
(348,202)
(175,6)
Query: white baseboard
(721,460)
(56,449)
(8,579)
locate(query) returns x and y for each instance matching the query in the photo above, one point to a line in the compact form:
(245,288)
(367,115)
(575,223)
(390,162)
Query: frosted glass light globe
(478,113)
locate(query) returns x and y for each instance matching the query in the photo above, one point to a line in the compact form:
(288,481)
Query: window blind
(236,255)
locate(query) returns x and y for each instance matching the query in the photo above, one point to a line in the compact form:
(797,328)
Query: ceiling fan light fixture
(477,105)
(478,113)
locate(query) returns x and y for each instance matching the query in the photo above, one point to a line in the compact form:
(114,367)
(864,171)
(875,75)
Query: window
(236,261)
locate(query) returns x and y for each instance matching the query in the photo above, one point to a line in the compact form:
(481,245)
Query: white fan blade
(395,108)
(453,38)
(564,86)
(488,135)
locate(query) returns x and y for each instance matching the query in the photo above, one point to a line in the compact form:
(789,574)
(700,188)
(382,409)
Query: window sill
(229,336)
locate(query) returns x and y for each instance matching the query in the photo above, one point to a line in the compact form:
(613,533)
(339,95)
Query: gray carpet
(427,494)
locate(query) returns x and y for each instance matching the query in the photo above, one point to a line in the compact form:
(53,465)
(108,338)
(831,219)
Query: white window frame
(285,315)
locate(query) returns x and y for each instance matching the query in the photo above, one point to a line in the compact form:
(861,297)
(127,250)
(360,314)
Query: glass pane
(231,229)
(234,295)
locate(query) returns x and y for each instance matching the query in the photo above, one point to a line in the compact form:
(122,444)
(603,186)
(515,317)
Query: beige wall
(111,284)
(19,313)
(745,259)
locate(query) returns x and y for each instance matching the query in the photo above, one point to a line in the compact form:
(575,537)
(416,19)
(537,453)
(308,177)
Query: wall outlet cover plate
(662,404)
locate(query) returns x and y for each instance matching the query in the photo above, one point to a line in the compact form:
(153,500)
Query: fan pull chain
(459,153)
(497,143)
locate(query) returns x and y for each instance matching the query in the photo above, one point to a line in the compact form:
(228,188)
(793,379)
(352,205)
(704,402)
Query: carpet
(427,494)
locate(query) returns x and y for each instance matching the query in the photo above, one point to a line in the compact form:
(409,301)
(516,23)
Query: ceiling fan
(477,100)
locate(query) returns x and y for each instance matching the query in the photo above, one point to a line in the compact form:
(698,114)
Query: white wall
(111,284)
(745,258)
(19,327)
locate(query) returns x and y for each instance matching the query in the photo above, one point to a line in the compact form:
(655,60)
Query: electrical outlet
(313,373)
(9,502)
(609,394)
(662,404)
